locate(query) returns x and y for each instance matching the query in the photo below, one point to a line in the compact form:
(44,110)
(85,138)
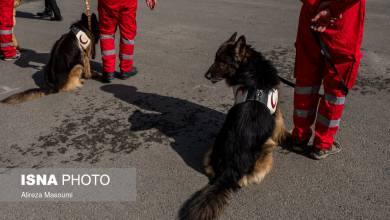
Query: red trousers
(113,14)
(7,47)
(343,41)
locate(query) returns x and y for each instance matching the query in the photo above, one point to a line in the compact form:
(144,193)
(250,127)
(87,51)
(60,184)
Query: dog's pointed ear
(94,18)
(95,26)
(94,21)
(84,18)
(95,32)
(232,38)
(240,47)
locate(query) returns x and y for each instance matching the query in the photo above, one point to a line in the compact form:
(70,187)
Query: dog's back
(237,147)
(242,151)
(65,54)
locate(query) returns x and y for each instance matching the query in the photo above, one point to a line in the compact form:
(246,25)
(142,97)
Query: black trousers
(51,5)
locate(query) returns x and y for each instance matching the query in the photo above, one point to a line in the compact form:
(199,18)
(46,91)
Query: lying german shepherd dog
(254,126)
(69,62)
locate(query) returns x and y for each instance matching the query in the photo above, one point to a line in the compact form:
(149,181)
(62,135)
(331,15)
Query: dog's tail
(27,96)
(209,202)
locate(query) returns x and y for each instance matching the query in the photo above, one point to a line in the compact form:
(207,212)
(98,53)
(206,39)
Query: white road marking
(6,89)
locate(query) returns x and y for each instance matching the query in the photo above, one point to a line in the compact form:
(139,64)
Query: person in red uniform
(340,24)
(7,48)
(122,14)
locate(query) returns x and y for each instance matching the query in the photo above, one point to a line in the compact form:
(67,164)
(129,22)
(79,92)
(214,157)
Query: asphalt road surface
(162,120)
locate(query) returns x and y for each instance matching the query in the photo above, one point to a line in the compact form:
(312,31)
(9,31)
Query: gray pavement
(161,121)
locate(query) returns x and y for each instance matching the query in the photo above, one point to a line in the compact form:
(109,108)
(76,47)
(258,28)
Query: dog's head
(228,59)
(94,25)
(94,32)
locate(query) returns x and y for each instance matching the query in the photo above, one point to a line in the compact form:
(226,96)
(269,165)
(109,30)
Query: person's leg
(108,20)
(7,47)
(56,11)
(308,74)
(128,30)
(331,107)
(47,5)
(47,12)
(343,41)
(308,83)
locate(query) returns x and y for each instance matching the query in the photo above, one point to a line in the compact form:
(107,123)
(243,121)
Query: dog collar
(268,98)
(82,38)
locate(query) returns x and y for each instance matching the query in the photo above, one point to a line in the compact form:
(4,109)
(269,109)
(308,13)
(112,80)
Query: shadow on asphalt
(191,126)
(96,66)
(38,61)
(34,60)
(28,15)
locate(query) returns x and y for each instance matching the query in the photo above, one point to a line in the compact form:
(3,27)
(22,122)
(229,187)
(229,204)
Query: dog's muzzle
(211,78)
(208,75)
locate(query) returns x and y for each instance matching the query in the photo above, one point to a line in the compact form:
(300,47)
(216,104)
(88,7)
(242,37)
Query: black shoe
(126,75)
(56,18)
(107,77)
(44,14)
(297,146)
(319,154)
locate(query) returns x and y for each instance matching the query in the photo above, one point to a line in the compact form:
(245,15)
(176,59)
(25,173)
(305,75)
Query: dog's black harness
(268,98)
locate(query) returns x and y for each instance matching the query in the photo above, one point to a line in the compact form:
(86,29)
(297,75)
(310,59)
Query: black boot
(45,13)
(56,18)
(107,77)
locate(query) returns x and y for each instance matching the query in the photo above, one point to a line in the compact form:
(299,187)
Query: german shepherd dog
(242,151)
(69,62)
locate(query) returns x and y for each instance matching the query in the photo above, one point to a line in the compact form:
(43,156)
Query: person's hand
(151,4)
(324,18)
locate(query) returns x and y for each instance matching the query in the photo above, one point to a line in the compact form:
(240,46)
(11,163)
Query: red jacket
(337,7)
(346,36)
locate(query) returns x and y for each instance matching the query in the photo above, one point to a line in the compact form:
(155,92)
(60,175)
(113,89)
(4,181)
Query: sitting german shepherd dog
(254,126)
(69,62)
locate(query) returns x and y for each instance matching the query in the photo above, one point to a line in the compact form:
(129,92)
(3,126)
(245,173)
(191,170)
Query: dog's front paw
(256,178)
(243,181)
(206,163)
(82,81)
(87,75)
(209,171)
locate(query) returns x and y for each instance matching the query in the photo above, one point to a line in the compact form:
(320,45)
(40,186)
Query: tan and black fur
(68,66)
(242,152)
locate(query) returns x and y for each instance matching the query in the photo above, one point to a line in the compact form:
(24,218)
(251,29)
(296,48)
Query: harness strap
(88,12)
(287,82)
(328,57)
